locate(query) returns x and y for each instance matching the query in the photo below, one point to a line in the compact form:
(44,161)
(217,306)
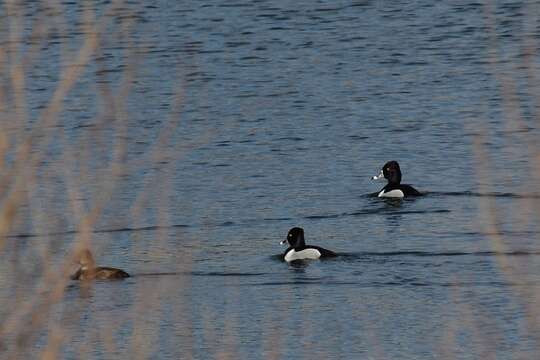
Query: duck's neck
(88,267)
(300,243)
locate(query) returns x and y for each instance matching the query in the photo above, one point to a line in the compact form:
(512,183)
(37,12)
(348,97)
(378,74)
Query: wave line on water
(196,273)
(384,211)
(217,273)
(444,253)
(460,193)
(381,284)
(487,194)
(97,231)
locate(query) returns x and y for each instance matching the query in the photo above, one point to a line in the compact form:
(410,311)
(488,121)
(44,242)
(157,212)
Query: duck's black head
(295,238)
(391,172)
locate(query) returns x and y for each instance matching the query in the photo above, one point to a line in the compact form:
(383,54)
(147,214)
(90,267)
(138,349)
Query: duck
(298,250)
(394,188)
(89,271)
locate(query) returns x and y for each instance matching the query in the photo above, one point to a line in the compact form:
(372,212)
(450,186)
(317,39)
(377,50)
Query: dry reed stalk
(18,178)
(512,268)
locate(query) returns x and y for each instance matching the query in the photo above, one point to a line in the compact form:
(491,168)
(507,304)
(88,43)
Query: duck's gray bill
(377,177)
(283,242)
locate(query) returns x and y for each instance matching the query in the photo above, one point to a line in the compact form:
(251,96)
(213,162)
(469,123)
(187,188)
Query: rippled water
(288,109)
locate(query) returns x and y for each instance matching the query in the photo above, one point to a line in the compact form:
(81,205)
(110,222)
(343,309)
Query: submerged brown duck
(89,271)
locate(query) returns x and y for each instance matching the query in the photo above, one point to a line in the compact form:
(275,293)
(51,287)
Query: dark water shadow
(478,194)
(402,284)
(455,193)
(382,206)
(87,288)
(391,211)
(98,231)
(156,274)
(225,274)
(386,210)
(200,273)
(364,254)
(392,206)
(75,283)
(514,233)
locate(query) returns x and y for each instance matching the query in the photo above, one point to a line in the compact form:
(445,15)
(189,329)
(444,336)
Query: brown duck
(89,271)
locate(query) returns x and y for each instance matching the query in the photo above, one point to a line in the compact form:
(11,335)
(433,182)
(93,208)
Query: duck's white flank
(396,193)
(302,254)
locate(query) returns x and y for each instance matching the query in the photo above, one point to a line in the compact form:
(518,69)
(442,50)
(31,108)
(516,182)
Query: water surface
(288,109)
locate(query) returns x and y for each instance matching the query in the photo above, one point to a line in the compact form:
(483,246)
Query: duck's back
(398,190)
(103,273)
(100,273)
(408,190)
(324,252)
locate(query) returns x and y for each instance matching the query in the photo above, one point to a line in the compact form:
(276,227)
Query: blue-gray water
(286,111)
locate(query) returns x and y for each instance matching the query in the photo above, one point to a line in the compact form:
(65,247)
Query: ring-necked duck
(89,271)
(298,249)
(392,173)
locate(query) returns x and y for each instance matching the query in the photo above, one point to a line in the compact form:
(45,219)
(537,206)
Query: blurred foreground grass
(53,182)
(58,184)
